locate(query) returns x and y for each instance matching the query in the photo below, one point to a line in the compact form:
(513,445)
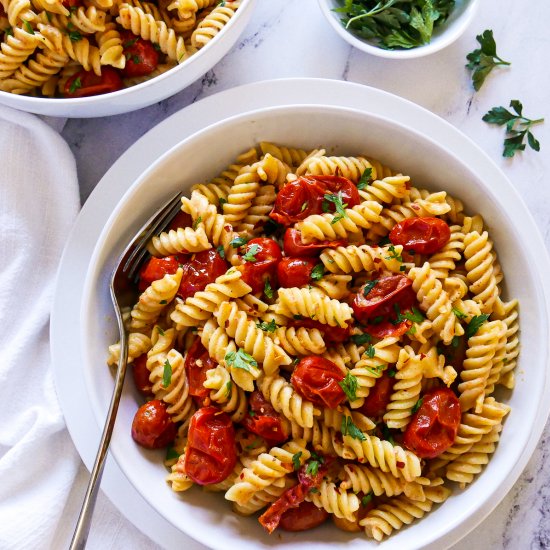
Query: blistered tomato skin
(152,426)
(293,246)
(204,267)
(295,271)
(197,363)
(87,83)
(141,56)
(423,235)
(264,421)
(260,257)
(211,453)
(306,516)
(155,269)
(141,375)
(317,380)
(377,400)
(434,426)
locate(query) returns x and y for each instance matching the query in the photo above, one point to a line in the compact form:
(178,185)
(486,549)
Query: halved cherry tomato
(181,219)
(304,196)
(141,375)
(141,56)
(264,421)
(203,268)
(423,235)
(295,271)
(261,257)
(211,453)
(197,362)
(155,269)
(433,427)
(379,396)
(152,426)
(71,3)
(293,246)
(306,516)
(380,300)
(388,328)
(87,83)
(316,379)
(331,335)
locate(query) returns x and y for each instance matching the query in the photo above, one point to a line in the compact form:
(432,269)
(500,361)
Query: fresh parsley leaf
(254,444)
(296,460)
(484,59)
(160,331)
(167,374)
(251,414)
(377,320)
(228,389)
(349,428)
(28,26)
(473,326)
(304,206)
(339,205)
(376,371)
(196,222)
(384,241)
(221,252)
(163,302)
(314,490)
(237,242)
(222,201)
(366,499)
(298,317)
(518,127)
(455,341)
(250,255)
(241,360)
(75,36)
(312,467)
(267,327)
(317,272)
(349,385)
(392,373)
(8,31)
(417,405)
(369,285)
(365,179)
(76,84)
(171,454)
(393,254)
(268,291)
(360,339)
(387,434)
(459,314)
(370,352)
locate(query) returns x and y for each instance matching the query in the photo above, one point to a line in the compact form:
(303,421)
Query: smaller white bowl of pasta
(128,55)
(465,173)
(406,44)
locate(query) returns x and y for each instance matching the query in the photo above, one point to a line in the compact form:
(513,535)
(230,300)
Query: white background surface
(290,38)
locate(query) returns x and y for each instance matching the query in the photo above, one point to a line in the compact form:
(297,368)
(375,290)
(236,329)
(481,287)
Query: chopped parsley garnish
(222,201)
(250,255)
(349,385)
(455,341)
(387,435)
(267,327)
(304,206)
(370,351)
(221,252)
(459,314)
(349,428)
(376,371)
(365,179)
(160,331)
(296,460)
(377,320)
(393,254)
(360,339)
(163,302)
(384,241)
(483,60)
(76,84)
(312,467)
(237,242)
(9,31)
(366,499)
(268,291)
(369,285)
(473,326)
(415,316)
(339,205)
(298,317)
(28,26)
(167,374)
(228,389)
(129,43)
(392,373)
(241,360)
(254,444)
(317,272)
(196,222)
(314,490)
(417,405)
(171,454)
(75,36)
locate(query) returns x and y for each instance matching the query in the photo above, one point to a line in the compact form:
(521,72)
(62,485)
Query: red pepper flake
(422,356)
(400,464)
(415,207)
(241,476)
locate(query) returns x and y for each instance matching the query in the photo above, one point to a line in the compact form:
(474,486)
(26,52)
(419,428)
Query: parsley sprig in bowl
(399,28)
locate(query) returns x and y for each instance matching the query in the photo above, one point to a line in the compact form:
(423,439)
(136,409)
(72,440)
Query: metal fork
(127,269)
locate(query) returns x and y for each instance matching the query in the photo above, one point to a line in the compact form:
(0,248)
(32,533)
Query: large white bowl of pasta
(360,361)
(88,59)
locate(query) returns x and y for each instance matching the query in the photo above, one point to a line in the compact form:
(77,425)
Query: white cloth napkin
(42,479)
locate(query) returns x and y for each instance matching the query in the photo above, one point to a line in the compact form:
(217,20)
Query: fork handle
(80,535)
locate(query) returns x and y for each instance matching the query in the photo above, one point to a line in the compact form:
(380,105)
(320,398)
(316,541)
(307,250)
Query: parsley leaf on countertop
(483,60)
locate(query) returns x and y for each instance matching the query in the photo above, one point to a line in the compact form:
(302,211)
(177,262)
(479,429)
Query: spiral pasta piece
(510,316)
(444,261)
(138,344)
(175,241)
(84,53)
(218,344)
(154,298)
(387,189)
(351,168)
(324,227)
(242,193)
(213,23)
(353,259)
(313,304)
(213,191)
(272,170)
(110,47)
(319,436)
(341,503)
(179,481)
(291,156)
(258,213)
(266,469)
(263,498)
(18,11)
(336,287)
(300,341)
(15,50)
(287,401)
(231,399)
(202,305)
(87,20)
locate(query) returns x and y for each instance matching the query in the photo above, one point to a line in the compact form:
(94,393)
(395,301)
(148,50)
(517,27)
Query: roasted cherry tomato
(304,196)
(316,379)
(87,83)
(71,3)
(293,246)
(388,328)
(155,269)
(141,56)
(181,219)
(433,427)
(197,362)
(379,396)
(423,235)
(382,297)
(203,268)
(331,335)
(260,257)
(152,427)
(263,420)
(211,453)
(306,516)
(141,375)
(295,271)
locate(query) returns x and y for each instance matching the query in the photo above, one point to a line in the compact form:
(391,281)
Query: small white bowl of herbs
(399,29)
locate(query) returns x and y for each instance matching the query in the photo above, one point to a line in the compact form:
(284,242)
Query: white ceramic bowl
(476,180)
(146,93)
(443,35)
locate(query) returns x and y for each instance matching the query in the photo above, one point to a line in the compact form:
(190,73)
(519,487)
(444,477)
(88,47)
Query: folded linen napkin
(42,479)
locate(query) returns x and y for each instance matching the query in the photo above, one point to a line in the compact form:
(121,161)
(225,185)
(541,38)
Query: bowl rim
(516,468)
(29,101)
(446,38)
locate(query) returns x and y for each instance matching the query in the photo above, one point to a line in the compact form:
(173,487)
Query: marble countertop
(290,38)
